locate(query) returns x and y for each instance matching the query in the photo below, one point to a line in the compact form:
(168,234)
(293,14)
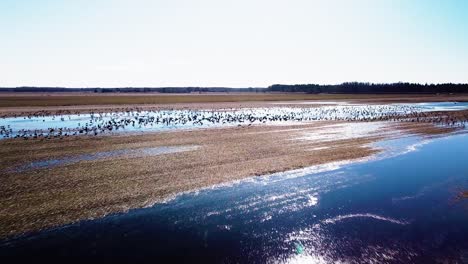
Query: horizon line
(230,87)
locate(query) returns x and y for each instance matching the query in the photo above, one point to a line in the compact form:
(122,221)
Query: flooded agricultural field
(328,132)
(362,184)
(165,120)
(400,206)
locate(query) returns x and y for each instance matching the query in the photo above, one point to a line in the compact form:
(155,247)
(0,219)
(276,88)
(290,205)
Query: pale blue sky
(239,43)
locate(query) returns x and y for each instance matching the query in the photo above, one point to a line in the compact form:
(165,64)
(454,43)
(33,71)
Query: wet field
(400,206)
(131,153)
(59,126)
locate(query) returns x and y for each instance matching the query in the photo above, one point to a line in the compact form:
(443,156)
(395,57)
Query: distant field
(70,99)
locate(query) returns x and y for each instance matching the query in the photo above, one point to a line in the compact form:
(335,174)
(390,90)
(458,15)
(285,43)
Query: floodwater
(132,153)
(399,207)
(443,106)
(144,121)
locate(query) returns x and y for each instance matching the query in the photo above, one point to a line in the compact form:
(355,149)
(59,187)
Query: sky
(239,43)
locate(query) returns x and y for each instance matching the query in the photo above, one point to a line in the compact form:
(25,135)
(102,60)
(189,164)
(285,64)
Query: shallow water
(444,106)
(400,207)
(131,153)
(144,121)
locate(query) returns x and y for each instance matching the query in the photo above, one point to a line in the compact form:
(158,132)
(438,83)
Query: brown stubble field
(69,99)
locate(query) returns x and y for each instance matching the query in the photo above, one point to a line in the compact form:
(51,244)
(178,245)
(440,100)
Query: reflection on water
(395,209)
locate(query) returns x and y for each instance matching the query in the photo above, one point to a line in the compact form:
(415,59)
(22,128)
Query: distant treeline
(359,87)
(348,87)
(135,89)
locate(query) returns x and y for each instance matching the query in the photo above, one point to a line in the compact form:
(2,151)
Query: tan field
(68,99)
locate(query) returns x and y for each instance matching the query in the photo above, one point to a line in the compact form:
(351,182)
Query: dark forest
(347,88)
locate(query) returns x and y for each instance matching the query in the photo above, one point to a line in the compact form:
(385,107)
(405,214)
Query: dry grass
(67,100)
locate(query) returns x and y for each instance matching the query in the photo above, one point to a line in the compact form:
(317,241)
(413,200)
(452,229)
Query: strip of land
(17,104)
(48,197)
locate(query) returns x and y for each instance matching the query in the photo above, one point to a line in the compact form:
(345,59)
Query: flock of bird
(59,126)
